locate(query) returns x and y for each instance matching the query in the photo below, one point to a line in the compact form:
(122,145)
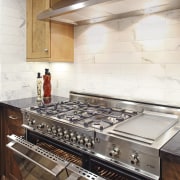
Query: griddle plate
(146,126)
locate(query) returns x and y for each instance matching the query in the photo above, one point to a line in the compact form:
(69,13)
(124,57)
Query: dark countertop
(28,102)
(171,150)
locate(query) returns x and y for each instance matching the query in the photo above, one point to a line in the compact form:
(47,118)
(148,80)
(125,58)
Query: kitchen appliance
(94,136)
(80,12)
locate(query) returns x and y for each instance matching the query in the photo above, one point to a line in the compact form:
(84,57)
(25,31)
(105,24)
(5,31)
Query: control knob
(72,134)
(114,152)
(81,141)
(54,131)
(86,140)
(59,130)
(73,139)
(134,158)
(79,137)
(53,128)
(89,144)
(60,134)
(40,126)
(65,132)
(67,136)
(31,122)
(49,130)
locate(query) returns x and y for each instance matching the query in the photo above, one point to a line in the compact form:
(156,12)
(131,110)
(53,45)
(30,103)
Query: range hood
(80,12)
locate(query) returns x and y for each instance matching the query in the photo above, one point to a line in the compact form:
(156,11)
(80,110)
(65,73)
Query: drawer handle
(13,117)
(45,50)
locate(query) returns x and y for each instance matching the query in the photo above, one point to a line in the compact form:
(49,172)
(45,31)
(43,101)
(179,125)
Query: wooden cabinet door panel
(14,117)
(170,170)
(38,32)
(13,120)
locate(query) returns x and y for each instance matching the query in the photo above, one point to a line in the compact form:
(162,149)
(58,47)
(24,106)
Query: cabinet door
(38,32)
(14,120)
(170,170)
(62,42)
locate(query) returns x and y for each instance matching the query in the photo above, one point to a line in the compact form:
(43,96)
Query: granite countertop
(171,150)
(28,102)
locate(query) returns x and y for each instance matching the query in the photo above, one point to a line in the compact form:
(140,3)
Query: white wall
(17,78)
(135,58)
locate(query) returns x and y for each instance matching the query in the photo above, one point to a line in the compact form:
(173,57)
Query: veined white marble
(135,58)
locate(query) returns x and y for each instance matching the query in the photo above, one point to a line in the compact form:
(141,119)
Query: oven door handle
(32,152)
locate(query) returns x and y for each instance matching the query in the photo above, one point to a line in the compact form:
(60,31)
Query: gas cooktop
(126,133)
(85,114)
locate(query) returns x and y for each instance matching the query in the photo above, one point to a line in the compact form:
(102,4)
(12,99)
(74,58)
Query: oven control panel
(60,131)
(130,155)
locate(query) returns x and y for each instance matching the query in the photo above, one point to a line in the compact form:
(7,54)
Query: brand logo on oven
(150,166)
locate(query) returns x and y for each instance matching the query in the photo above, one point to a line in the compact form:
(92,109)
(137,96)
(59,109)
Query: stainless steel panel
(148,126)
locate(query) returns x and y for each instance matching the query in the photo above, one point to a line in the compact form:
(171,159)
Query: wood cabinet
(47,41)
(1,142)
(170,170)
(13,120)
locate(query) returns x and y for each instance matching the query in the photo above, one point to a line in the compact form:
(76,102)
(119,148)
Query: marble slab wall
(134,58)
(17,77)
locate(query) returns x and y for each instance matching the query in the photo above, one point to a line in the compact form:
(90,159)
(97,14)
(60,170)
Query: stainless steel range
(124,135)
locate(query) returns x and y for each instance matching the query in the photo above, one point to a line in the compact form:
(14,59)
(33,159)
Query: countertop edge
(31,101)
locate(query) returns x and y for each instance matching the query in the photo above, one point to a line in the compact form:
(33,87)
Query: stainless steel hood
(80,12)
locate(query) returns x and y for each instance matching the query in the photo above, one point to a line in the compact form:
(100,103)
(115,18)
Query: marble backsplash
(17,77)
(134,58)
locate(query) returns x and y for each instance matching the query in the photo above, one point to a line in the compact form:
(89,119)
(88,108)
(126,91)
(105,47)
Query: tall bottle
(47,84)
(39,86)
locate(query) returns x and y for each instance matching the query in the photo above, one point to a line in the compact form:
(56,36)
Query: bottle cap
(46,71)
(38,75)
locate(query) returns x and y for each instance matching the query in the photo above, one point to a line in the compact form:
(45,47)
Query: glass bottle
(47,84)
(39,86)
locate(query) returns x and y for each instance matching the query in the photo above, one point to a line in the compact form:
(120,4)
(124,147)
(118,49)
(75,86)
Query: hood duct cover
(80,12)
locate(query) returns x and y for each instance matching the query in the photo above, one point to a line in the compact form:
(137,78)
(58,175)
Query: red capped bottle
(47,84)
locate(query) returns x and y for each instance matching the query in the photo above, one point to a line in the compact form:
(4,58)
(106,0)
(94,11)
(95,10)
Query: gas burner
(62,109)
(96,124)
(105,109)
(93,111)
(82,105)
(121,114)
(99,121)
(71,118)
(82,114)
(68,107)
(51,113)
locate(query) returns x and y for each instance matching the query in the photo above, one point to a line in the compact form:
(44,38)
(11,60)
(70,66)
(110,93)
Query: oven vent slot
(75,165)
(108,174)
(59,152)
(82,172)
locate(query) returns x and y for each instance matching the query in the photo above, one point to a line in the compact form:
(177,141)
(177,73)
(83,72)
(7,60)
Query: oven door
(36,163)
